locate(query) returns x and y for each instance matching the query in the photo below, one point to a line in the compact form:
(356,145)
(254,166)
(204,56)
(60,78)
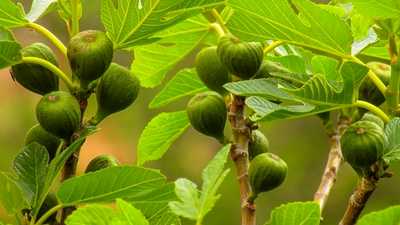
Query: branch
(333,164)
(239,154)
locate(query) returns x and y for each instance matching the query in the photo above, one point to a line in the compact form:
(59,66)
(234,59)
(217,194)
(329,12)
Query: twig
(333,164)
(239,154)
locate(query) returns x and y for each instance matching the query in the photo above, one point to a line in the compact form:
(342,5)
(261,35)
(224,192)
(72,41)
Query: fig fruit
(266,172)
(242,59)
(368,91)
(41,136)
(101,162)
(258,144)
(363,145)
(211,71)
(207,114)
(117,89)
(34,77)
(49,202)
(373,118)
(59,113)
(90,54)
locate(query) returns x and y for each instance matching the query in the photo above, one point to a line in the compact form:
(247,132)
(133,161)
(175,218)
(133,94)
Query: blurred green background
(303,144)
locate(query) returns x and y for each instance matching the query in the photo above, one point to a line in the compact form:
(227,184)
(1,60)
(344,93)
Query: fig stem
(239,154)
(371,75)
(51,67)
(74,17)
(272,46)
(372,108)
(393,92)
(333,164)
(45,216)
(218,18)
(49,35)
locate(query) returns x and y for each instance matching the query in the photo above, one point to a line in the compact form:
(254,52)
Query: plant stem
(371,75)
(218,29)
(393,92)
(219,20)
(333,164)
(239,154)
(51,67)
(45,32)
(75,17)
(48,214)
(272,46)
(358,200)
(372,108)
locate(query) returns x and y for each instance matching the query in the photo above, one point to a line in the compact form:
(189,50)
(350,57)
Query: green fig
(59,113)
(49,202)
(41,136)
(207,114)
(90,54)
(34,77)
(373,118)
(211,71)
(266,172)
(243,59)
(368,90)
(258,144)
(101,162)
(363,145)
(117,89)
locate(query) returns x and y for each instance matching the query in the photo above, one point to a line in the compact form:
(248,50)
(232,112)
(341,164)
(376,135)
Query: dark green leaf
(9,49)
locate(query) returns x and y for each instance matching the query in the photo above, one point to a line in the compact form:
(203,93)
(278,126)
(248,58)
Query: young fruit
(59,113)
(362,145)
(207,113)
(211,71)
(266,172)
(50,202)
(35,77)
(117,89)
(242,59)
(101,162)
(375,119)
(368,90)
(258,144)
(90,53)
(41,136)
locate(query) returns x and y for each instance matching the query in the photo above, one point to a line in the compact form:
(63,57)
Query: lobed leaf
(9,49)
(39,8)
(380,9)
(12,197)
(11,15)
(304,213)
(389,216)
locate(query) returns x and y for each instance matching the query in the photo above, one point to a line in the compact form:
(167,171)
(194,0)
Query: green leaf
(39,8)
(11,196)
(375,53)
(129,215)
(195,204)
(110,183)
(379,9)
(11,15)
(9,49)
(329,68)
(304,213)
(389,216)
(392,146)
(159,134)
(293,63)
(185,83)
(64,10)
(152,62)
(31,167)
(275,19)
(133,22)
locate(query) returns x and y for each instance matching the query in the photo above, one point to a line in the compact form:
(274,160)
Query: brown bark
(239,154)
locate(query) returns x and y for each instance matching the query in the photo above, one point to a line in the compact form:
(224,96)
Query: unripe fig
(34,77)
(258,144)
(90,54)
(117,89)
(207,114)
(59,113)
(41,136)
(242,59)
(368,90)
(211,71)
(266,172)
(50,202)
(373,118)
(362,145)
(267,67)
(101,162)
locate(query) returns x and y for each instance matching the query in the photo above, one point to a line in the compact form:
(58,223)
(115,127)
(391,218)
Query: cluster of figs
(207,112)
(58,112)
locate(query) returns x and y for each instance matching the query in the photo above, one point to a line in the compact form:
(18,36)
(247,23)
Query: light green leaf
(11,14)
(185,83)
(93,214)
(129,215)
(133,22)
(9,49)
(380,9)
(31,167)
(389,216)
(375,53)
(152,62)
(293,63)
(392,145)
(110,183)
(304,213)
(38,8)
(159,134)
(194,204)
(329,68)
(11,196)
(317,28)
(64,9)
